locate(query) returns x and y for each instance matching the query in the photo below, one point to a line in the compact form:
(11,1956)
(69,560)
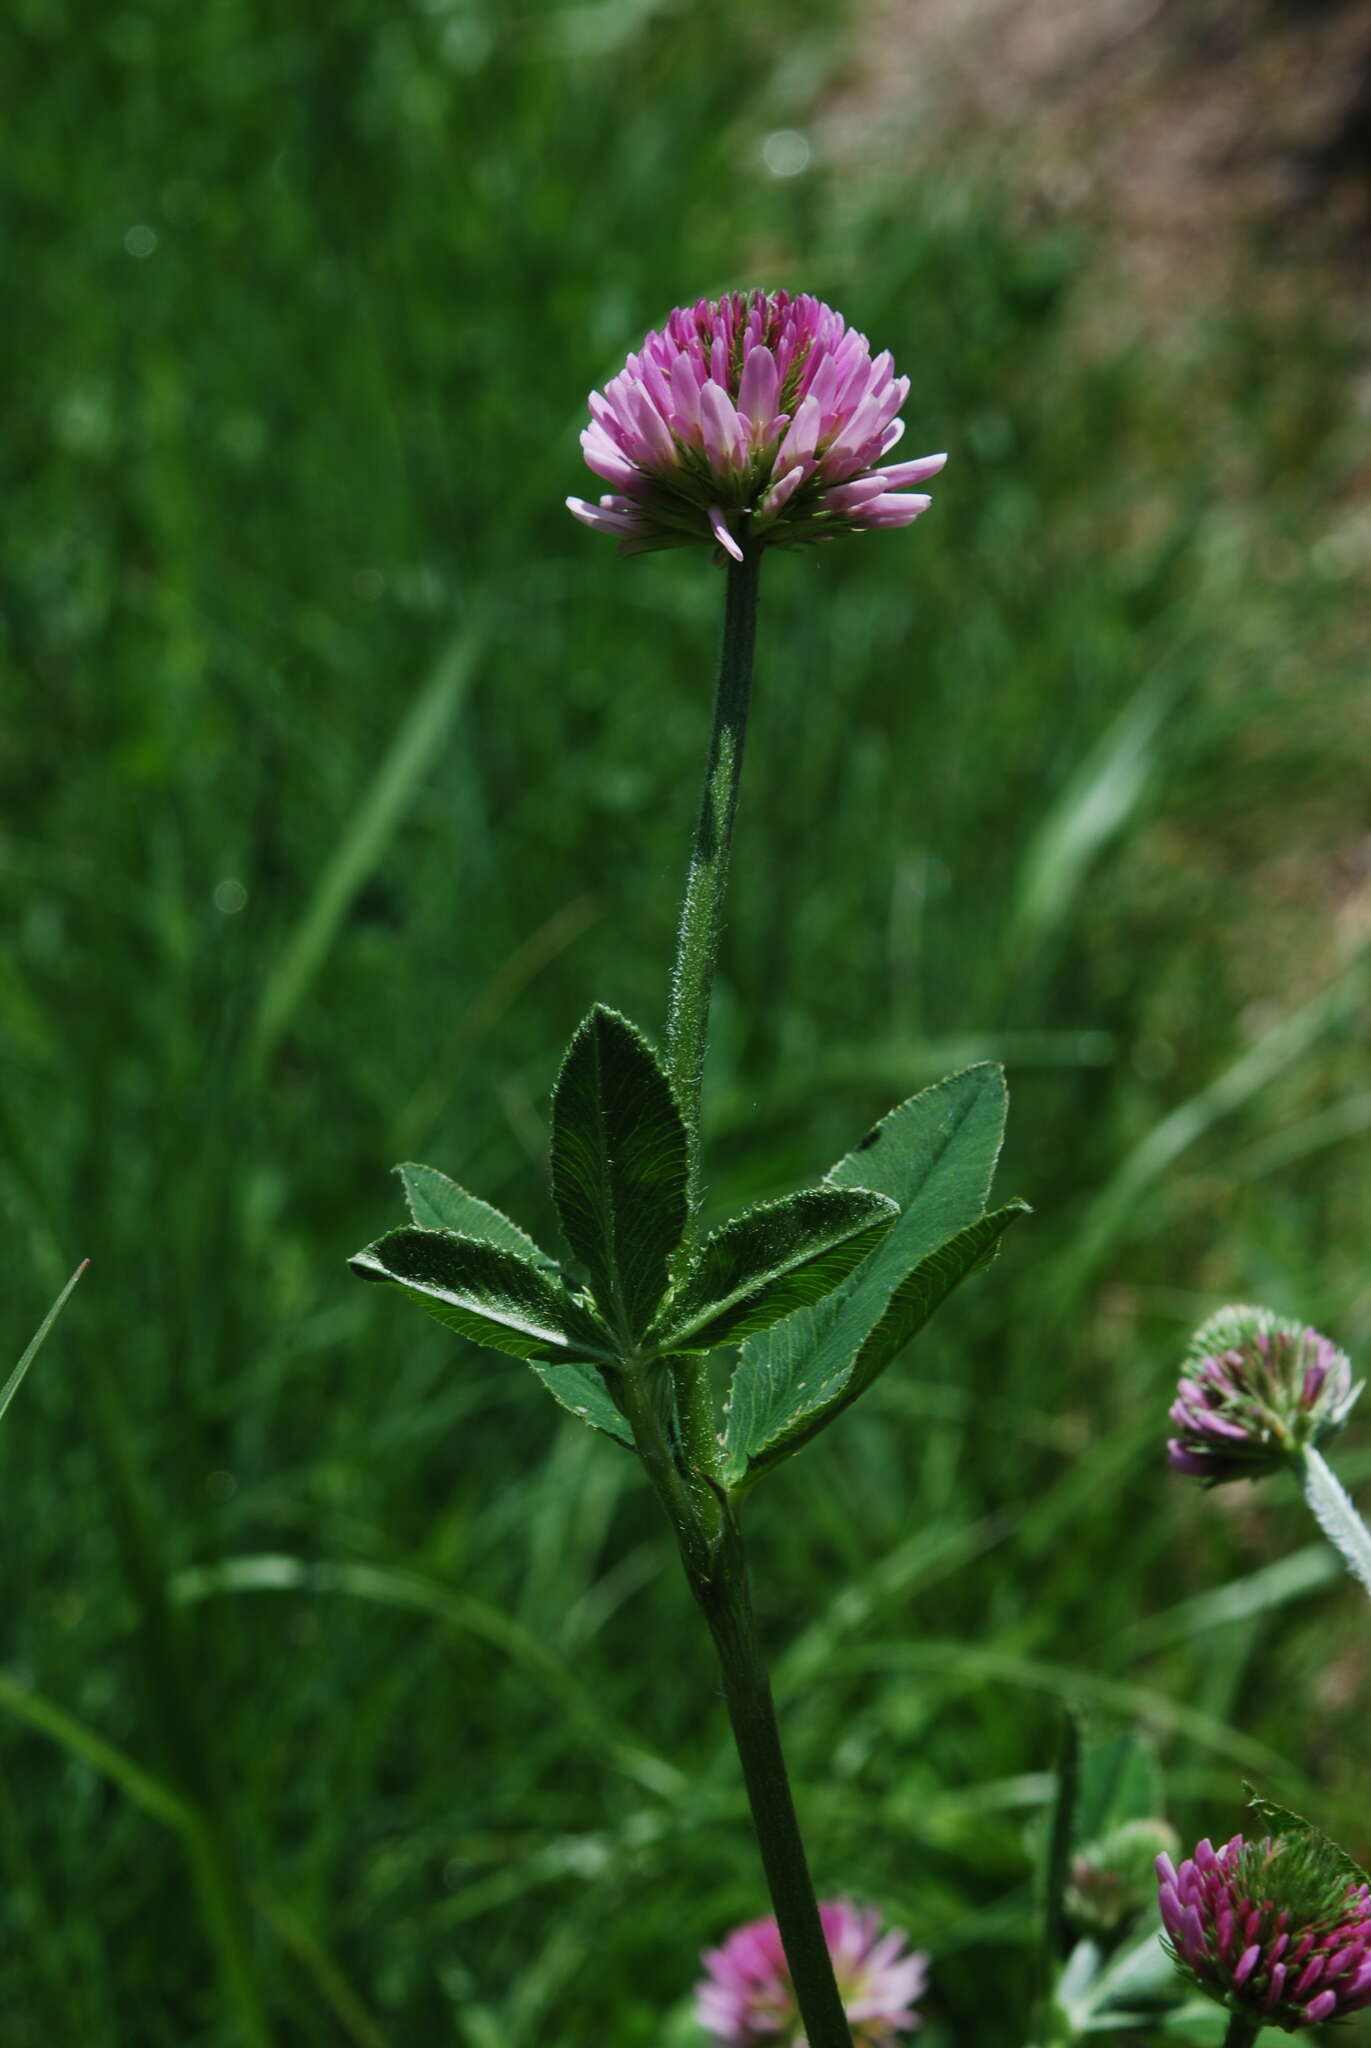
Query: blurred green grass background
(342,771)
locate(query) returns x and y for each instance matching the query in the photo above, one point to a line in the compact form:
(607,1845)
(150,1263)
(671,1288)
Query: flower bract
(1276,1929)
(755,418)
(1256,1389)
(746,2000)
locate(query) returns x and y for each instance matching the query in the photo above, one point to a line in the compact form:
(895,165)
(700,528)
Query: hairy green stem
(643,1395)
(684,1466)
(697,939)
(1335,1514)
(1242,2031)
(716,1568)
(727,1605)
(697,944)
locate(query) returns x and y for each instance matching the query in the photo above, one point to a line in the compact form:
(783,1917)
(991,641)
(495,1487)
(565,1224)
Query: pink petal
(722,534)
(803,436)
(759,387)
(894,511)
(721,427)
(899,474)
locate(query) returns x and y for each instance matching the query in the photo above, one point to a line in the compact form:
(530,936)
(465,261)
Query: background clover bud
(1274,1929)
(1257,1390)
(758,417)
(746,2000)
(1111,1880)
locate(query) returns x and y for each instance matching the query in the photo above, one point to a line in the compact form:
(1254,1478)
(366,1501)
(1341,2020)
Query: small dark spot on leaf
(870,1138)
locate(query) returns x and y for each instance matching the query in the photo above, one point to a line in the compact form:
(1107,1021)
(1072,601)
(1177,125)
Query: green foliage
(933,1157)
(770,1261)
(485,1293)
(619,1168)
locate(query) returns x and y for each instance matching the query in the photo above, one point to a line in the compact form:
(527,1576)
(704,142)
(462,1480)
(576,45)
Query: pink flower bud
(1256,1390)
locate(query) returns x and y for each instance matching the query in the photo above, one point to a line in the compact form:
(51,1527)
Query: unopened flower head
(1110,1880)
(758,418)
(746,2000)
(1256,1390)
(1276,1929)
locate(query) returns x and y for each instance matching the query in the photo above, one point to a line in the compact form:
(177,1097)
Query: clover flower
(1279,1930)
(1256,1390)
(746,1999)
(755,417)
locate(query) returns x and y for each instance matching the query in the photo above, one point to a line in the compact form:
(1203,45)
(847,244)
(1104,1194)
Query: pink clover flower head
(1279,1930)
(746,2000)
(757,418)
(1256,1390)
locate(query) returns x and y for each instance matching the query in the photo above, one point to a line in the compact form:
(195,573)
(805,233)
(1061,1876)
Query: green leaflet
(934,1156)
(581,1391)
(619,1167)
(800,1376)
(772,1260)
(437,1203)
(485,1293)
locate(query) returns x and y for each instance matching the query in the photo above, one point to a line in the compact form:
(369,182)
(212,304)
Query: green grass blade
(178,1707)
(151,1793)
(1096,805)
(1120,1208)
(965,1663)
(275,1572)
(15,1380)
(364,840)
(1295,1577)
(322,1971)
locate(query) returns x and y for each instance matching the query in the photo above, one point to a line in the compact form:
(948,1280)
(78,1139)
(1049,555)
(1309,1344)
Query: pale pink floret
(756,418)
(746,2000)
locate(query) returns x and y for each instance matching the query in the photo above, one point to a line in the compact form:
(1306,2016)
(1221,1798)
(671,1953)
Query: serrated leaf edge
(534,1252)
